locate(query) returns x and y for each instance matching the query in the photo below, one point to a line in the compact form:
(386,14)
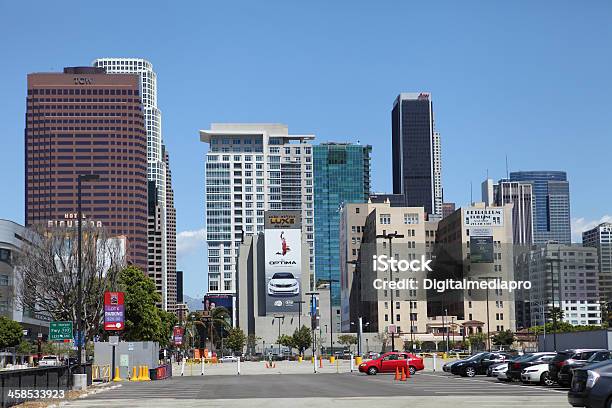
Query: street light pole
(80,335)
(390,238)
(299,302)
(313,321)
(487,278)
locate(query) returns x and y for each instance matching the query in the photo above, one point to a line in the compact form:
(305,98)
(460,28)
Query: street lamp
(487,278)
(360,326)
(299,302)
(80,336)
(279,317)
(390,238)
(313,321)
(331,315)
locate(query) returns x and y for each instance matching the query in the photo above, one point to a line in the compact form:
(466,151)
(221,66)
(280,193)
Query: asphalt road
(425,390)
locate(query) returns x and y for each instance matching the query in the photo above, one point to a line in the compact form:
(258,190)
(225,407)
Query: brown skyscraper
(83,121)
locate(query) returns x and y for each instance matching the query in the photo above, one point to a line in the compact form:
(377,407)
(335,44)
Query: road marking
(491,382)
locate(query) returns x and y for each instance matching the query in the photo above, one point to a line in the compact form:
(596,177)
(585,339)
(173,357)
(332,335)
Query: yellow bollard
(299,359)
(358,360)
(134,375)
(145,370)
(312,359)
(332,359)
(117,375)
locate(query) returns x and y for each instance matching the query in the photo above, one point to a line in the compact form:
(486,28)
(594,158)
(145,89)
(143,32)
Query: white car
(537,374)
(229,359)
(49,361)
(500,372)
(283,284)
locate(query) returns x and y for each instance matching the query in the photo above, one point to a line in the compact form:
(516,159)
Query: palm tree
(218,321)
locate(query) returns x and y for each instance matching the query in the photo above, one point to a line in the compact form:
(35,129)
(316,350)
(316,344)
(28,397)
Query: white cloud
(190,241)
(579,225)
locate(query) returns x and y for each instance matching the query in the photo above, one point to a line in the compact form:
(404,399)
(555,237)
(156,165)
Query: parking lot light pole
(279,317)
(487,278)
(390,238)
(299,302)
(80,335)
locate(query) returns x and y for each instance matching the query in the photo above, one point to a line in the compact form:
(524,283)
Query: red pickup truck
(389,362)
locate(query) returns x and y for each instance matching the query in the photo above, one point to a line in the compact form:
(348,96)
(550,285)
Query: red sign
(177,335)
(114,311)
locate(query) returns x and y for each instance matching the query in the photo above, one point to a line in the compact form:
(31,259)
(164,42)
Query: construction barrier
(101,373)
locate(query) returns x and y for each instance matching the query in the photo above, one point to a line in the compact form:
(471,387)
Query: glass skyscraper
(551,205)
(341,175)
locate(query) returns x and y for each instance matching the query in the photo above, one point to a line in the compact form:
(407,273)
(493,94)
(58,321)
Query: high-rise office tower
(157,166)
(417,163)
(83,121)
(341,176)
(600,237)
(170,236)
(551,209)
(520,195)
(251,168)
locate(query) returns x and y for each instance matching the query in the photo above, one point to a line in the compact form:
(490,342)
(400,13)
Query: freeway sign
(59,331)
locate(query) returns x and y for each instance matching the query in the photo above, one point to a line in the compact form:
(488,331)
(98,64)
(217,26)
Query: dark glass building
(341,176)
(416,152)
(83,121)
(551,205)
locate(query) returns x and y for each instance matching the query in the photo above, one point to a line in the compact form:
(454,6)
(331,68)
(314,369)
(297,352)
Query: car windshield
(599,356)
(282,275)
(560,357)
(477,356)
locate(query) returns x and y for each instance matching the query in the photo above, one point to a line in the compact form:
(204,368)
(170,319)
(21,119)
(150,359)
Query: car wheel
(545,379)
(412,370)
(372,371)
(470,372)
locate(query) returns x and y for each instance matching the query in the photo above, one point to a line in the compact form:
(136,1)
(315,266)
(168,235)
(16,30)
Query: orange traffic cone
(408,372)
(320,362)
(403,378)
(397,374)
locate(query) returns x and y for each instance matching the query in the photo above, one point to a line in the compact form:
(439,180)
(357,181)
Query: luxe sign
(114,311)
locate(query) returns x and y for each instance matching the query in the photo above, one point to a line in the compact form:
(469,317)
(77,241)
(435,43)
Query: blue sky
(528,79)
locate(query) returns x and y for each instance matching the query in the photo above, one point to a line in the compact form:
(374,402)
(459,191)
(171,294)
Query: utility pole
(390,238)
(299,302)
(279,317)
(80,329)
(487,278)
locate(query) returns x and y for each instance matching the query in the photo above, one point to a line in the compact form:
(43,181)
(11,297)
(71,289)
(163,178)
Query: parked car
(537,374)
(498,369)
(389,362)
(49,361)
(283,284)
(592,386)
(560,367)
(478,363)
(447,366)
(228,359)
(492,366)
(516,367)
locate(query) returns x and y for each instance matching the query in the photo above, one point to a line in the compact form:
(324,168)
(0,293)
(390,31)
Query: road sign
(113,340)
(59,331)
(114,311)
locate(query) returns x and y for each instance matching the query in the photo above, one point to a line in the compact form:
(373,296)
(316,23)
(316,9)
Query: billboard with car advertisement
(283,259)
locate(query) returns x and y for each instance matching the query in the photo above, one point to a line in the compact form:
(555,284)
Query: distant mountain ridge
(192,303)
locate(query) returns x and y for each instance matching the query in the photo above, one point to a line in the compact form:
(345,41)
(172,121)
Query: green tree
(504,338)
(236,339)
(302,339)
(144,321)
(286,340)
(347,340)
(477,341)
(11,333)
(25,347)
(252,340)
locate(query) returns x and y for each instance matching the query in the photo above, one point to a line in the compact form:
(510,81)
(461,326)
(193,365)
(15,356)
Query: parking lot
(425,390)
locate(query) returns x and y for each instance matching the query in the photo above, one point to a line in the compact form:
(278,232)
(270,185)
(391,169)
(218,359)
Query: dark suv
(516,366)
(479,363)
(560,367)
(592,386)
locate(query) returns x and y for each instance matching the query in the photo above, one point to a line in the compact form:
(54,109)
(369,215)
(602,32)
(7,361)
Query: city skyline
(478,101)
